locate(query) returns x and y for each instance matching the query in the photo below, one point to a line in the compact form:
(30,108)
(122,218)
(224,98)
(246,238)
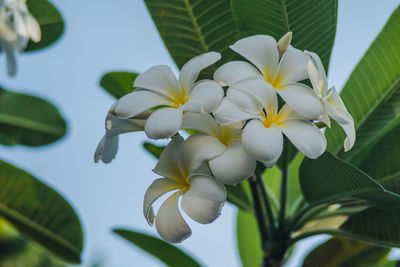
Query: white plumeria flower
(233,164)
(108,145)
(255,100)
(182,166)
(158,87)
(333,104)
(282,72)
(17,26)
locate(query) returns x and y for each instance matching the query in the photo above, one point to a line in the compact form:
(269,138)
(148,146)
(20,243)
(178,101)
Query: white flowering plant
(251,120)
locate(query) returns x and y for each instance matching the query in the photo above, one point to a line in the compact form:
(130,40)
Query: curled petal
(204,200)
(159,79)
(33,28)
(228,113)
(302,99)
(197,150)
(106,149)
(261,50)
(350,135)
(116,126)
(11,60)
(293,66)
(317,73)
(190,71)
(232,166)
(137,102)
(168,163)
(336,108)
(261,143)
(163,123)
(205,97)
(305,136)
(204,123)
(170,224)
(235,71)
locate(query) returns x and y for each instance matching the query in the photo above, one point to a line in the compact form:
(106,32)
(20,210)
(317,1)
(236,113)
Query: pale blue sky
(105,35)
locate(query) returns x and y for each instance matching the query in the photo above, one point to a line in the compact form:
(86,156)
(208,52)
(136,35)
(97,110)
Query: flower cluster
(17,26)
(234,127)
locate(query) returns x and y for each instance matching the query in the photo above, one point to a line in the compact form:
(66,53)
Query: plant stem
(264,195)
(284,188)
(262,226)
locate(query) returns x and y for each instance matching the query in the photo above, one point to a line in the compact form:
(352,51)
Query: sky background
(104,36)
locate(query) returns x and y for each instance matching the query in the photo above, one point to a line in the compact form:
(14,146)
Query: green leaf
(50,21)
(371,94)
(249,241)
(238,196)
(153,149)
(28,120)
(331,179)
(39,212)
(189,28)
(118,83)
(343,252)
(383,162)
(313,23)
(165,252)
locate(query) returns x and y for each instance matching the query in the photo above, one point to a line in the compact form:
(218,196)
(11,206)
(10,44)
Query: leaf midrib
(285,18)
(30,125)
(196,25)
(37,227)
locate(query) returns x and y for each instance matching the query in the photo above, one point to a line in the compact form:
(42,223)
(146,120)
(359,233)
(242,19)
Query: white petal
(168,163)
(159,79)
(261,50)
(190,71)
(197,150)
(261,91)
(284,43)
(350,135)
(325,119)
(228,113)
(163,123)
(170,224)
(158,188)
(235,71)
(33,28)
(261,143)
(318,81)
(19,24)
(204,123)
(106,149)
(302,99)
(293,66)
(204,200)
(336,108)
(11,60)
(305,136)
(232,166)
(116,126)
(137,102)
(244,101)
(205,97)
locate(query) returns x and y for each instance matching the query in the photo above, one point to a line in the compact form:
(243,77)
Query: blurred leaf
(153,149)
(190,28)
(383,162)
(40,212)
(28,120)
(294,190)
(249,241)
(50,21)
(313,23)
(118,83)
(343,252)
(330,179)
(372,94)
(238,196)
(165,252)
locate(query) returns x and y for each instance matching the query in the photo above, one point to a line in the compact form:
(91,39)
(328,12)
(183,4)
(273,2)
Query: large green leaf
(39,212)
(343,252)
(313,23)
(331,179)
(189,28)
(249,241)
(153,149)
(165,252)
(50,21)
(118,83)
(371,93)
(28,120)
(383,162)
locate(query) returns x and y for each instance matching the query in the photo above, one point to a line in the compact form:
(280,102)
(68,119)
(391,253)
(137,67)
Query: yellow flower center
(275,80)
(228,134)
(179,97)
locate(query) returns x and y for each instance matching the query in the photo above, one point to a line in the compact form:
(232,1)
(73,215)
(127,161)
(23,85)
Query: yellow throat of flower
(179,98)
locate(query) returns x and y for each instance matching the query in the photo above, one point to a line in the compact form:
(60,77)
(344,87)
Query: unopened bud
(284,43)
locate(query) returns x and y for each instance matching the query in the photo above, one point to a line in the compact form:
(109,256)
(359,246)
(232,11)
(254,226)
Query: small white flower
(158,86)
(333,104)
(182,166)
(231,166)
(108,145)
(255,100)
(280,65)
